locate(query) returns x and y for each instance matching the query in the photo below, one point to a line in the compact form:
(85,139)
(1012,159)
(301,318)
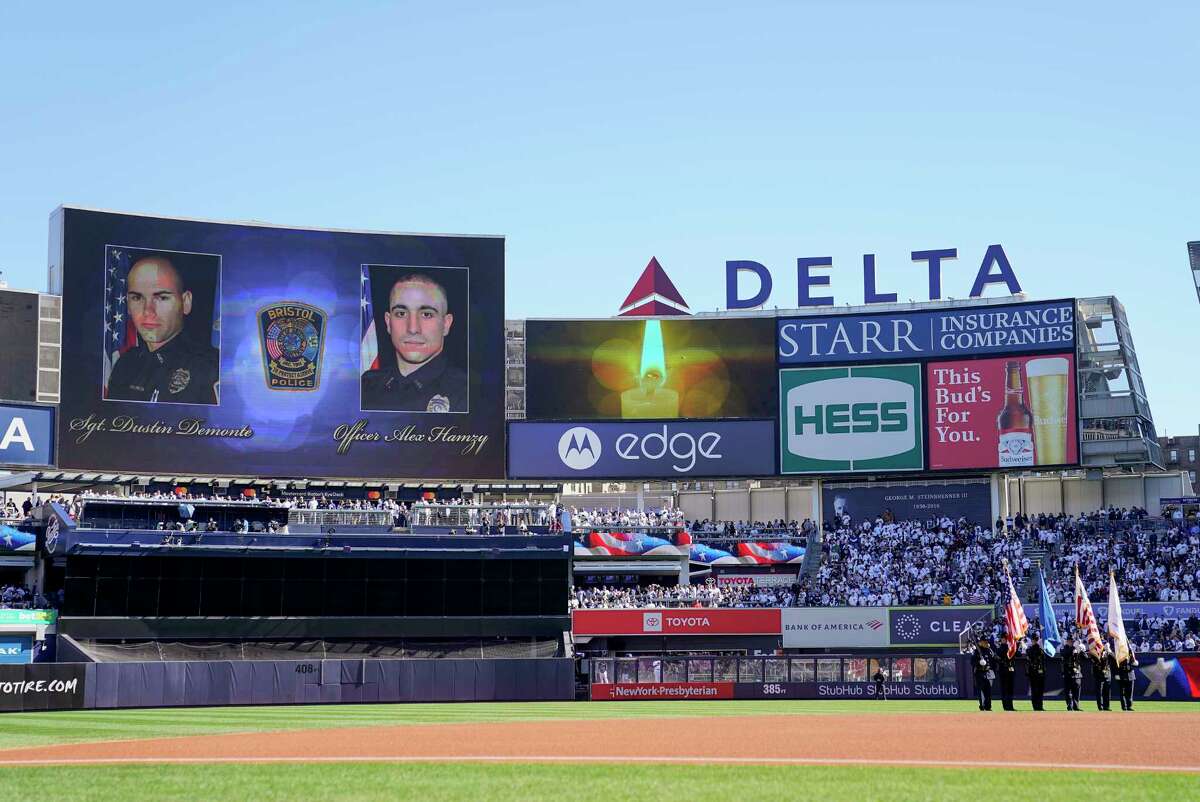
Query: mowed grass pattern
(612,783)
(36,729)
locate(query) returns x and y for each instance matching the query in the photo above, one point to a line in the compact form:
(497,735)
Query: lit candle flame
(653,373)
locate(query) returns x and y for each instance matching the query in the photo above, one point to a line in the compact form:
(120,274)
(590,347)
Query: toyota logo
(579,448)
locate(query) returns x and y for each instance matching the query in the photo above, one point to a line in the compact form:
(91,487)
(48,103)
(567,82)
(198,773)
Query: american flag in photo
(368,352)
(119,333)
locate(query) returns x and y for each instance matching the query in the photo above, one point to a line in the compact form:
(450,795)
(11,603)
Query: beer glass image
(1048,398)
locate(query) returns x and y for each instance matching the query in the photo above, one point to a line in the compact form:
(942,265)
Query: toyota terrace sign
(677,621)
(641,449)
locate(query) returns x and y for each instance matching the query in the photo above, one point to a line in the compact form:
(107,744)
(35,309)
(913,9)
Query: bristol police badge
(293,341)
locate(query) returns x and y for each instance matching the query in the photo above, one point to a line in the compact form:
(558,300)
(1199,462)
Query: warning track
(1051,740)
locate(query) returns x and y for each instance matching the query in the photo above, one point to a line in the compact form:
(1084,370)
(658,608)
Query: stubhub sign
(641,449)
(26,435)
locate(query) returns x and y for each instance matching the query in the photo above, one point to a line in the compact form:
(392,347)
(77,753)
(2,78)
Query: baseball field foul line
(776,761)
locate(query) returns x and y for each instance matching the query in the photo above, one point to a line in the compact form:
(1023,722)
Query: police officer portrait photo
(161,326)
(414,344)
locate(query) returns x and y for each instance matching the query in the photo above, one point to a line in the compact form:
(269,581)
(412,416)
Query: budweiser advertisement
(681,621)
(1011,412)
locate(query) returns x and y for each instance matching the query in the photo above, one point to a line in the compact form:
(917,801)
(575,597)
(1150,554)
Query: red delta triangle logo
(653,294)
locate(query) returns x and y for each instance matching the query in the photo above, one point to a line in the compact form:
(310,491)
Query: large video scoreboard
(210,348)
(964,388)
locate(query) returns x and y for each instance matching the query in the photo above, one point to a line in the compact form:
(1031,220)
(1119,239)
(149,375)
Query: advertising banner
(16,649)
(848,419)
(950,689)
(970,499)
(630,692)
(676,621)
(33,617)
(757,580)
(42,686)
(640,449)
(933,626)
(627,692)
(960,332)
(1012,412)
(834,627)
(1131,611)
(26,435)
(648,368)
(196,346)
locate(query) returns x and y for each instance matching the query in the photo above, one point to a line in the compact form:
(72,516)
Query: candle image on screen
(1048,399)
(650,399)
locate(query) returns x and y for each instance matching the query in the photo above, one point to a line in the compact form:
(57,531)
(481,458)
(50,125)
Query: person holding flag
(1015,628)
(1072,673)
(1047,645)
(1123,657)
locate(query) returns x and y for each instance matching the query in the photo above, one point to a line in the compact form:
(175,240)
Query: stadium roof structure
(55,481)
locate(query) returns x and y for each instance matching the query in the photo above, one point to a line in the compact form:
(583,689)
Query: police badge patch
(179,381)
(293,341)
(439,403)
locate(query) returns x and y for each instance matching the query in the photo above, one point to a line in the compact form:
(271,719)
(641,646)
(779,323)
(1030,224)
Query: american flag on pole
(1014,618)
(368,352)
(119,333)
(1085,618)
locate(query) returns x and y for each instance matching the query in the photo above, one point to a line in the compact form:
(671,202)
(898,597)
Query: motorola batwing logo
(579,448)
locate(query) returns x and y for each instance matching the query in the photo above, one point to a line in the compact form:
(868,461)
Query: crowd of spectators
(1152,562)
(23,597)
(885,562)
(618,518)
(709,594)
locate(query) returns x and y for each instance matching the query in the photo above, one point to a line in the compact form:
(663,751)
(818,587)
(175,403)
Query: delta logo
(838,420)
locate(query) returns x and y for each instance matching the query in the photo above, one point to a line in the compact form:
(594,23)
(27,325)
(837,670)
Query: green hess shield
(293,341)
(838,420)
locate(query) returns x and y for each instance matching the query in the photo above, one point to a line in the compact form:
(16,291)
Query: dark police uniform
(436,386)
(1005,673)
(182,371)
(1072,675)
(1102,676)
(1125,675)
(981,663)
(1035,670)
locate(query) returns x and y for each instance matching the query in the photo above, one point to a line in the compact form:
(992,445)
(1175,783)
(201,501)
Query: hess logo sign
(851,419)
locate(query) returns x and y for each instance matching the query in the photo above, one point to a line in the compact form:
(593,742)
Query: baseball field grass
(371,778)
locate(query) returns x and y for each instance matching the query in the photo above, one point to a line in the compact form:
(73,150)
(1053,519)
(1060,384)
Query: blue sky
(694,132)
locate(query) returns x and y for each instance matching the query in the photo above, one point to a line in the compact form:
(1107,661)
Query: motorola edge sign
(641,449)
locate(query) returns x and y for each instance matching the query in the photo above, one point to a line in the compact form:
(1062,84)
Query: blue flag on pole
(1051,640)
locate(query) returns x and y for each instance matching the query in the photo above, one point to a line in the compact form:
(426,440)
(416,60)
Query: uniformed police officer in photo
(418,375)
(167,365)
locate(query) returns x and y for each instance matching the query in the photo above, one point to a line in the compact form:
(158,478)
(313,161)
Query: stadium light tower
(1194,258)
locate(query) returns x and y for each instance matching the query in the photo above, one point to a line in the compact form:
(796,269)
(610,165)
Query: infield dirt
(1046,740)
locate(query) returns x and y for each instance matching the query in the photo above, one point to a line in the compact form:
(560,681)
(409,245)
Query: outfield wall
(63,686)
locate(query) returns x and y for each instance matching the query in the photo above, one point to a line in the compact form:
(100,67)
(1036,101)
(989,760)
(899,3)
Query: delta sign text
(994,269)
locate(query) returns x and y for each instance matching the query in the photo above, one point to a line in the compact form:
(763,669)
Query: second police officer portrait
(417,369)
(159,326)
